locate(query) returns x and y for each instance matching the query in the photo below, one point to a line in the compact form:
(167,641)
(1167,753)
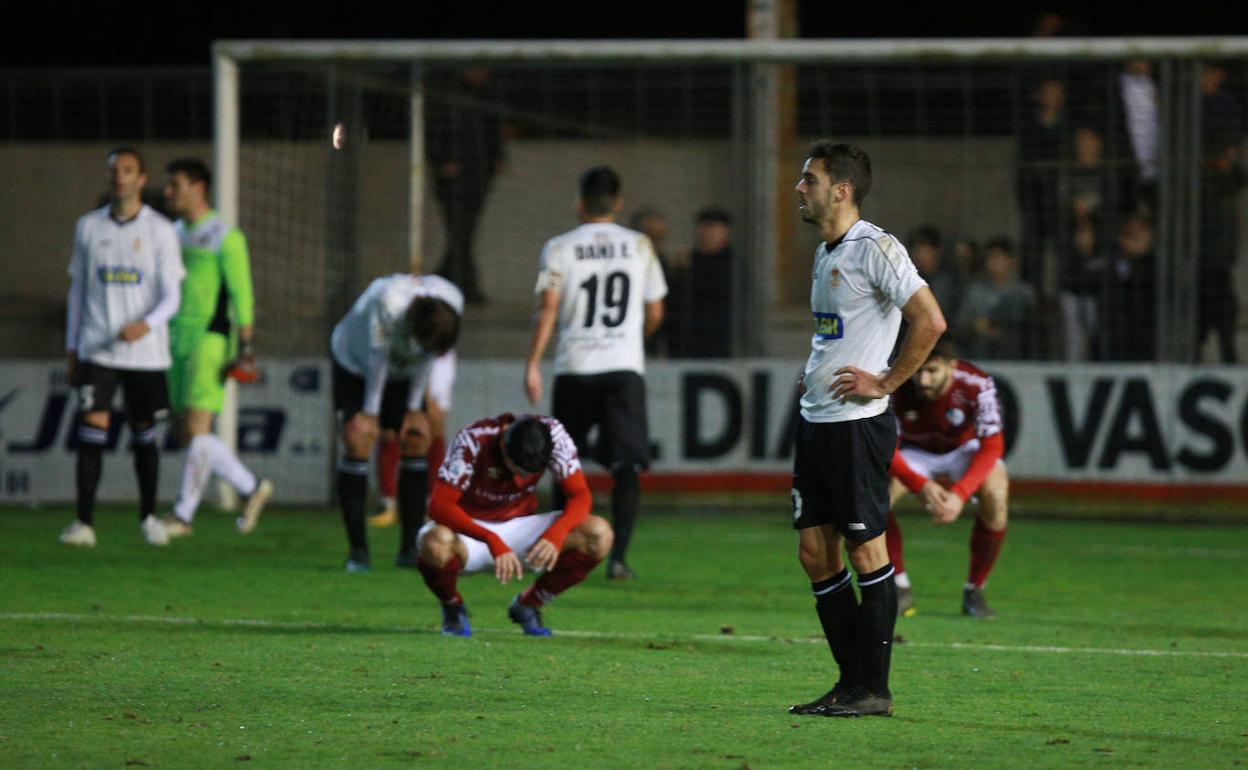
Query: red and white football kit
(958,435)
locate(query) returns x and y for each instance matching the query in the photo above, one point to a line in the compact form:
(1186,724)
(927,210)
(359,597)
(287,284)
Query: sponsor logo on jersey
(128,276)
(829,326)
(955,416)
(910,416)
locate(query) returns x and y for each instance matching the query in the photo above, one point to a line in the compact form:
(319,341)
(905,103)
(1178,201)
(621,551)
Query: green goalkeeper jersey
(217,287)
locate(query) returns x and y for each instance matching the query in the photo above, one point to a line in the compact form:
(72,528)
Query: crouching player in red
(483,513)
(951,444)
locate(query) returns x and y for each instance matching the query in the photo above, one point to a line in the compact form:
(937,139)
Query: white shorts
(952,464)
(519,534)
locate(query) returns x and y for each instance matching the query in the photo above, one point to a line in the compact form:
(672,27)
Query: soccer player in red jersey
(483,513)
(950,448)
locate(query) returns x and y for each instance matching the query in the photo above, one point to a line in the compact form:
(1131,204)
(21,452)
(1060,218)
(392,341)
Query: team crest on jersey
(955,416)
(137,245)
(496,473)
(910,416)
(834,278)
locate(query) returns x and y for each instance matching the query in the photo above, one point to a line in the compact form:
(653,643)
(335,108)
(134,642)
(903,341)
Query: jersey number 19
(614,298)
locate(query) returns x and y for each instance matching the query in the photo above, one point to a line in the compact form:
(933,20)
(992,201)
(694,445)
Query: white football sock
(902,580)
(196,471)
(227,465)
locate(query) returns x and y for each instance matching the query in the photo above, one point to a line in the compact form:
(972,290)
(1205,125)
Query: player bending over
(383,350)
(216,299)
(949,422)
(483,513)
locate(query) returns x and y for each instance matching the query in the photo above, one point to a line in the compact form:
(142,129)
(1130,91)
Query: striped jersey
(859,285)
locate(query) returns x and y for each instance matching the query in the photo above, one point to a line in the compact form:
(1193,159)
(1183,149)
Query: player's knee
(359,440)
(416,437)
(597,536)
(814,560)
(437,546)
(96,419)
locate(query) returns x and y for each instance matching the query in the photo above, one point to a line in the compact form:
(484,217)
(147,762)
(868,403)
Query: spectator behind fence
(1129,301)
(1090,202)
(464,143)
(925,250)
(654,224)
(1042,147)
(993,318)
(701,309)
(1222,178)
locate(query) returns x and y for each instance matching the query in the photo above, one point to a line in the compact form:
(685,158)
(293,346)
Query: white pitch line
(302,625)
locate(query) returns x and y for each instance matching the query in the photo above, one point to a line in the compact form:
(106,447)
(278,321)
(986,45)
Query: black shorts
(349,398)
(146,392)
(840,475)
(613,401)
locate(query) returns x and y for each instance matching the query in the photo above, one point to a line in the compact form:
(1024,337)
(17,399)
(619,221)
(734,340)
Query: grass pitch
(1116,645)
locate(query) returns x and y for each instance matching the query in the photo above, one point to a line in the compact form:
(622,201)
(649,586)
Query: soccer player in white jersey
(603,286)
(383,350)
(863,285)
(125,282)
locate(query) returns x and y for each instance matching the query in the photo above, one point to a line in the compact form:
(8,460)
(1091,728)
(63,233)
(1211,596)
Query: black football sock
(413,487)
(146,469)
(352,496)
(837,607)
(90,464)
(625,498)
(878,614)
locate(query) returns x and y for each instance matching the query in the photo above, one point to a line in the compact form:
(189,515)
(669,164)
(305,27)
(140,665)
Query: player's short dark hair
(946,348)
(128,150)
(600,189)
(433,323)
(194,168)
(844,163)
(926,235)
(527,442)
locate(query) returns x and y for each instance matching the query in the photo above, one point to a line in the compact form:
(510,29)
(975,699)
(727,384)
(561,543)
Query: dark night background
(171,33)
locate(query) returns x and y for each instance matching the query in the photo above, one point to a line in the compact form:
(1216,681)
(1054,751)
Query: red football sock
(573,567)
(388,467)
(442,581)
(436,454)
(985,545)
(892,539)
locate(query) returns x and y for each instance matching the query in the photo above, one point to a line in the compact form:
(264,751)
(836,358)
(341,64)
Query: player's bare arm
(543,326)
(926,323)
(654,316)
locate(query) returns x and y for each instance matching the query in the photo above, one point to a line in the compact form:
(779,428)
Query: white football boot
(78,534)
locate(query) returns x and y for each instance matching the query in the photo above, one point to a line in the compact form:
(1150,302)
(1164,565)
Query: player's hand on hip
(533,383)
(542,556)
(507,567)
(857,385)
(135,331)
(801,384)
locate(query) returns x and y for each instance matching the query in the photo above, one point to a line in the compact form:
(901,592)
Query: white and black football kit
(606,275)
(844,446)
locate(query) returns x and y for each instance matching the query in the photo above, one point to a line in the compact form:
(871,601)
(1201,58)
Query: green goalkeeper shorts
(197,376)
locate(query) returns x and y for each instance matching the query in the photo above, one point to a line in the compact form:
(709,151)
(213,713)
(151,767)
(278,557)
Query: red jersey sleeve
(990,450)
(575,510)
(444,508)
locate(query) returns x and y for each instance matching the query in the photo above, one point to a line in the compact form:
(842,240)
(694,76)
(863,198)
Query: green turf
(131,655)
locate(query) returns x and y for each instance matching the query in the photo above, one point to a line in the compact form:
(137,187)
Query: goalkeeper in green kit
(216,296)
